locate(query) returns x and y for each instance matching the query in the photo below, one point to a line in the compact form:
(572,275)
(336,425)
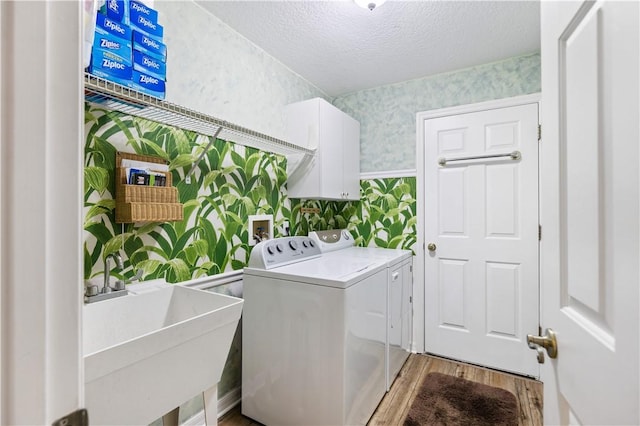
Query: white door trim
(1,221)
(41,203)
(419,344)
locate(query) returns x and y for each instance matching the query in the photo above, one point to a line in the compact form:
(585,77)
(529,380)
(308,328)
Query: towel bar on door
(515,155)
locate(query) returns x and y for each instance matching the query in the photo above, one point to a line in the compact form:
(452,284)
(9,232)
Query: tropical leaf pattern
(229,184)
(384,217)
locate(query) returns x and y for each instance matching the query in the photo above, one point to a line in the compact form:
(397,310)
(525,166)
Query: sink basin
(146,353)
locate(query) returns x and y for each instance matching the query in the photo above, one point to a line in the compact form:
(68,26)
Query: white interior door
(590,210)
(481,286)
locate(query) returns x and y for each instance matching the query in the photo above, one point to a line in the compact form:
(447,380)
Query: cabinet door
(351,158)
(330,151)
(302,121)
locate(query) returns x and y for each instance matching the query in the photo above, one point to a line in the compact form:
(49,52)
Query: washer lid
(325,271)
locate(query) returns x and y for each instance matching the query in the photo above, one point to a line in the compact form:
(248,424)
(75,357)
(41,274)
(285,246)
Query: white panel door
(481,286)
(590,210)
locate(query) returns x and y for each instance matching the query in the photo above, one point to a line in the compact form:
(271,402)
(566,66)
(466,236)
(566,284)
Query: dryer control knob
(304,244)
(279,248)
(293,245)
(270,250)
(311,243)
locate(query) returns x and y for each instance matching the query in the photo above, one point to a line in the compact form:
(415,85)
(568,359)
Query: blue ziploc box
(149,45)
(106,26)
(144,25)
(117,45)
(110,66)
(118,10)
(149,65)
(148,84)
(138,8)
(143,22)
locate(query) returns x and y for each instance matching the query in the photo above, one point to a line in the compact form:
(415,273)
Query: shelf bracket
(187,178)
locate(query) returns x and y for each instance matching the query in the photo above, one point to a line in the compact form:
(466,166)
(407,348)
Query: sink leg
(210,397)
(171,418)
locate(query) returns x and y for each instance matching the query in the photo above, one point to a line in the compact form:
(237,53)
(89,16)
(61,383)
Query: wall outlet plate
(260,228)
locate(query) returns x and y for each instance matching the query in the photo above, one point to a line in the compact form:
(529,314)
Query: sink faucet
(118,259)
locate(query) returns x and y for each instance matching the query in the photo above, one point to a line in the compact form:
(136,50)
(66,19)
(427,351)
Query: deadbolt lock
(431,247)
(547,342)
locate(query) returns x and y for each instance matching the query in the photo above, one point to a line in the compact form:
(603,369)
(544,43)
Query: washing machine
(314,335)
(399,263)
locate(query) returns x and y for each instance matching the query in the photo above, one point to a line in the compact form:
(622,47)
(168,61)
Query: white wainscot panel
(452,291)
(502,201)
(452,188)
(503,299)
(502,135)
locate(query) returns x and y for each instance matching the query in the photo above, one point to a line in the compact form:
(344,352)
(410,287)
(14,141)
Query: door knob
(431,247)
(548,342)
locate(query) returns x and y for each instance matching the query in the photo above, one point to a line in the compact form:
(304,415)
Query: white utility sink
(147,353)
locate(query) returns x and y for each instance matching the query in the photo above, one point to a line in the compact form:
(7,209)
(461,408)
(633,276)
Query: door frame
(419,341)
(41,101)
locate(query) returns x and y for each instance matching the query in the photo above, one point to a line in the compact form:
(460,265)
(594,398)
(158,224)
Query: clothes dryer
(340,244)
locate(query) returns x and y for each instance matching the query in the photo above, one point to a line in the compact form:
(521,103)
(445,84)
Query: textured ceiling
(342,48)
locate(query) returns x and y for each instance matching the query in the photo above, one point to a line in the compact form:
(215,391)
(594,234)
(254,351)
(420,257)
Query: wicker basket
(139,203)
(148,212)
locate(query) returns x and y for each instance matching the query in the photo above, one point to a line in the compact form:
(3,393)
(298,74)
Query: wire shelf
(116,97)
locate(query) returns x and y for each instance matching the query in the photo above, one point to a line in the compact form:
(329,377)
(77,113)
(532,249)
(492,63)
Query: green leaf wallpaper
(384,217)
(230,183)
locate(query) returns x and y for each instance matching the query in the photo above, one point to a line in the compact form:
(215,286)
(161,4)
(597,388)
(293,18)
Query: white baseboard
(225,404)
(229,400)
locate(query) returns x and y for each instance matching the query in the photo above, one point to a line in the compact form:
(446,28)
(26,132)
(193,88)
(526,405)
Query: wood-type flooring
(394,407)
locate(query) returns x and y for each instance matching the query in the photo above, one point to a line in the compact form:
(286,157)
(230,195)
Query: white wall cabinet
(334,172)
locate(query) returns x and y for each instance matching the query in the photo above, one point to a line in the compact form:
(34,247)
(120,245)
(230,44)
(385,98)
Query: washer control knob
(293,245)
(279,248)
(270,250)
